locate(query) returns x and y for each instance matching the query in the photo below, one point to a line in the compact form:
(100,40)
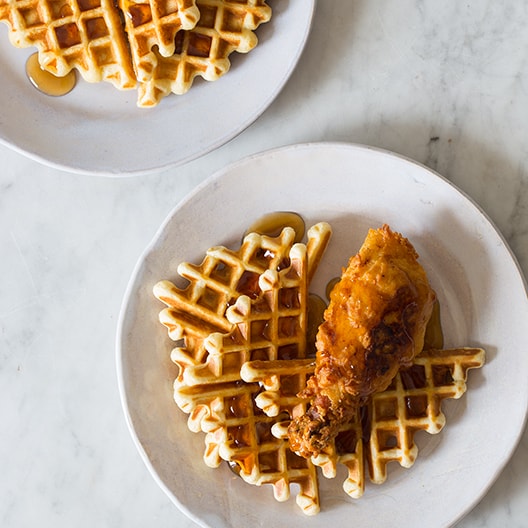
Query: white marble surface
(445,83)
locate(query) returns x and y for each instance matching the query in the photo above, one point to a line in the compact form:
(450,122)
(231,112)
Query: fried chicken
(375,324)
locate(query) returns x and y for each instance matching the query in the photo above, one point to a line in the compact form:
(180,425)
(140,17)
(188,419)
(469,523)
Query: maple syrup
(330,286)
(434,336)
(234,467)
(346,442)
(199,45)
(316,308)
(140,14)
(248,284)
(46,82)
(272,224)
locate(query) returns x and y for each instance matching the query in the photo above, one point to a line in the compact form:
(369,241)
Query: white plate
(98,129)
(482,295)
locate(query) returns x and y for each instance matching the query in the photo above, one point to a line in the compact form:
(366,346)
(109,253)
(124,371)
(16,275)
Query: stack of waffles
(158,46)
(240,327)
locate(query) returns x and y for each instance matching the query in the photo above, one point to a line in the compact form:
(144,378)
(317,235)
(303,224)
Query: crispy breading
(375,324)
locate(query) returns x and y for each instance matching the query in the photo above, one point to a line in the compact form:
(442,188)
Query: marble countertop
(444,83)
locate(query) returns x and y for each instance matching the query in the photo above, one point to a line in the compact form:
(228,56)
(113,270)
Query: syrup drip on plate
(316,308)
(330,286)
(46,82)
(434,335)
(272,224)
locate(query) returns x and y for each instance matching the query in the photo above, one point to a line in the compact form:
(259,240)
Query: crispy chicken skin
(375,324)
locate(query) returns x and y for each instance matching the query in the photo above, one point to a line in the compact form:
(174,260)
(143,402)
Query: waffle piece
(239,433)
(268,323)
(273,326)
(225,26)
(82,34)
(384,429)
(346,449)
(282,381)
(413,403)
(222,411)
(198,310)
(154,24)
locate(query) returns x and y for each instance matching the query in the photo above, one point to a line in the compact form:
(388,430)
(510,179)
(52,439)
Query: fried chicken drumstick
(375,324)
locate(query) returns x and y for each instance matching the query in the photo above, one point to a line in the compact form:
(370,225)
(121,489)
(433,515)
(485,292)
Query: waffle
(282,381)
(152,25)
(225,26)
(241,434)
(412,403)
(268,323)
(198,310)
(162,44)
(273,326)
(82,34)
(385,427)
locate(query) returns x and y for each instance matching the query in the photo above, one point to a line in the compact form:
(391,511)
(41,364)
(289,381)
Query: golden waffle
(82,34)
(282,381)
(154,24)
(224,413)
(239,433)
(225,26)
(345,449)
(384,429)
(413,403)
(273,325)
(270,324)
(273,328)
(198,310)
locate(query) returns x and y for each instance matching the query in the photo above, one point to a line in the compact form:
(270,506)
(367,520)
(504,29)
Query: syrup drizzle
(272,224)
(316,308)
(330,286)
(434,335)
(46,82)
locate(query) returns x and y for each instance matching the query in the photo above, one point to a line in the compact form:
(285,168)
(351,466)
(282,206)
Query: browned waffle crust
(225,26)
(84,34)
(160,44)
(266,321)
(384,429)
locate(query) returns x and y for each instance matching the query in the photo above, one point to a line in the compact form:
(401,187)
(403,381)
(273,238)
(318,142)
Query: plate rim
(506,455)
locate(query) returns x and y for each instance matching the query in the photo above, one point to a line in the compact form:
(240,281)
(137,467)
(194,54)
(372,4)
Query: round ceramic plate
(483,303)
(98,129)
